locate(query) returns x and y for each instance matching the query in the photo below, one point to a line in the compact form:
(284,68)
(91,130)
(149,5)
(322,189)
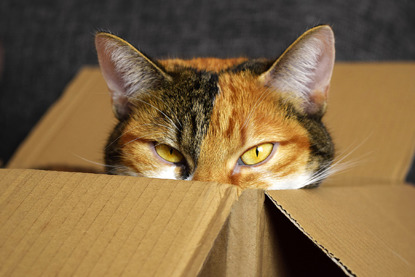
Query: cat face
(250,123)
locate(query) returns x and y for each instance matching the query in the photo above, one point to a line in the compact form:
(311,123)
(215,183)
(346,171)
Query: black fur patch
(112,151)
(321,144)
(191,97)
(255,66)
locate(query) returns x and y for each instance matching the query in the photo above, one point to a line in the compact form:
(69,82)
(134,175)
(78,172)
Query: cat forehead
(187,103)
(196,83)
(256,66)
(199,85)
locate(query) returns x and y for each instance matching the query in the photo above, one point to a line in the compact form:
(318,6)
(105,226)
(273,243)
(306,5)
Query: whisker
(162,125)
(166,116)
(135,139)
(95,163)
(354,149)
(339,160)
(259,100)
(338,165)
(175,115)
(123,133)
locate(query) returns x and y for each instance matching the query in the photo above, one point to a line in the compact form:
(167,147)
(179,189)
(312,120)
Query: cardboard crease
(335,259)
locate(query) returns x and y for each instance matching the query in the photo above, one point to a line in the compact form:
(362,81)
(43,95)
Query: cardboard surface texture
(87,224)
(359,222)
(370,115)
(367,230)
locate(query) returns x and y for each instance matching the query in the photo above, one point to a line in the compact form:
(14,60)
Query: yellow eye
(257,154)
(168,153)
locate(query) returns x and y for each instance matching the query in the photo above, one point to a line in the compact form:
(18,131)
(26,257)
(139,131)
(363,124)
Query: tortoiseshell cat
(250,123)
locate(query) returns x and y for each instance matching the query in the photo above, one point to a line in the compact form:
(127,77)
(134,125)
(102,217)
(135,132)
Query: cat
(253,123)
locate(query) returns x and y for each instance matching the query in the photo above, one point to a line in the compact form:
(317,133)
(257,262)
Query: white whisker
(95,163)
(162,125)
(166,116)
(337,166)
(260,99)
(175,116)
(135,139)
(129,130)
(123,133)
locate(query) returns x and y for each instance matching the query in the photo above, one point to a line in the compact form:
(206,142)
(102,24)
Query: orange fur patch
(139,133)
(246,114)
(208,64)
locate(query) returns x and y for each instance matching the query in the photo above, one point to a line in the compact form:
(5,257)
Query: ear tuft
(127,72)
(304,70)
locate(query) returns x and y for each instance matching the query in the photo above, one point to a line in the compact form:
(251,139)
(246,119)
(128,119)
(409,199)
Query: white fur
(291,182)
(190,178)
(129,172)
(166,172)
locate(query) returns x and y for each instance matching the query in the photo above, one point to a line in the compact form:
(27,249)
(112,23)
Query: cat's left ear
(127,72)
(304,70)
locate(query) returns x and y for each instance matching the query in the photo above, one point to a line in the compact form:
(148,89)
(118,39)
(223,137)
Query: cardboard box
(360,222)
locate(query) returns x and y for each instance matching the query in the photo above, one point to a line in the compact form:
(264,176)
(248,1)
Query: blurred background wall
(45,42)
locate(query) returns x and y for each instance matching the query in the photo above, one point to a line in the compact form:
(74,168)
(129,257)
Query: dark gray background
(47,41)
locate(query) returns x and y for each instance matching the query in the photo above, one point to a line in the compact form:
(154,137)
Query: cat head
(251,123)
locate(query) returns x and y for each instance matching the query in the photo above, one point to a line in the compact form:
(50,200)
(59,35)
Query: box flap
(258,240)
(370,116)
(90,224)
(366,230)
(238,251)
(72,134)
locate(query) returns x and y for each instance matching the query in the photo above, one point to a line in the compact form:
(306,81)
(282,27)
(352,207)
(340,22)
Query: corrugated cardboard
(89,224)
(371,114)
(366,230)
(360,222)
(74,131)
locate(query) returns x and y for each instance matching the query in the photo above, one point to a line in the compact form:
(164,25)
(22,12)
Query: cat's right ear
(304,70)
(127,72)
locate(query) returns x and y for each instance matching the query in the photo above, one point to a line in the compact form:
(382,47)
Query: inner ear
(127,72)
(304,70)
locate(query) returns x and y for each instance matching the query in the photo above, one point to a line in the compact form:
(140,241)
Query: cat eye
(257,154)
(168,153)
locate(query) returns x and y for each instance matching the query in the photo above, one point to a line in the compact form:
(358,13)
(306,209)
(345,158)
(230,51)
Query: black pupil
(171,151)
(257,151)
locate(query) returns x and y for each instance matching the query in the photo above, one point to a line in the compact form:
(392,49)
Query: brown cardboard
(65,138)
(359,222)
(86,224)
(366,230)
(370,114)
(258,240)
(58,223)
(241,241)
